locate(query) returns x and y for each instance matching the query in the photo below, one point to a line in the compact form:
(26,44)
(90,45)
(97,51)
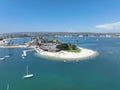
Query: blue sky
(59,15)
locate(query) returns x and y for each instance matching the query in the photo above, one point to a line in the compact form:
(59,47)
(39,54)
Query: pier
(24,52)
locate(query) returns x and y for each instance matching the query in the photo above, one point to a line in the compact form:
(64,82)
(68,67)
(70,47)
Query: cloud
(111,26)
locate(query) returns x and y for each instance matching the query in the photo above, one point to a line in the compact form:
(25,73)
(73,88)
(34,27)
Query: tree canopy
(66,46)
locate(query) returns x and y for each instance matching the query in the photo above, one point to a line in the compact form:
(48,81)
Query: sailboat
(8,87)
(27,75)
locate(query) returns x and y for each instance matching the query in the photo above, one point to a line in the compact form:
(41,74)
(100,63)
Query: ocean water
(19,40)
(98,73)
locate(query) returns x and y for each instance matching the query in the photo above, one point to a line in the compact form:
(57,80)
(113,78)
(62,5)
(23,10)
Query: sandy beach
(68,56)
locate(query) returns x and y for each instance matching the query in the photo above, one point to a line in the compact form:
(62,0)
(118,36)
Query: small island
(63,51)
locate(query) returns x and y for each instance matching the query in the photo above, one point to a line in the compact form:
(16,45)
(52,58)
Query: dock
(24,52)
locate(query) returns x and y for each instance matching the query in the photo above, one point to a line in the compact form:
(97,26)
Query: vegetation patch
(68,47)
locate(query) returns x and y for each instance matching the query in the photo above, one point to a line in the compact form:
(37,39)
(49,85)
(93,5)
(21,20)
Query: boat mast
(8,87)
(27,69)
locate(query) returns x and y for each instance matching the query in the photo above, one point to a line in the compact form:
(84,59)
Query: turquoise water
(99,73)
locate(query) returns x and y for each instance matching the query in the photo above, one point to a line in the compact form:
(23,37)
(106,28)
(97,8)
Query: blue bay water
(99,73)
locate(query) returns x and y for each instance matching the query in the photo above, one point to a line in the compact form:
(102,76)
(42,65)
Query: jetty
(24,52)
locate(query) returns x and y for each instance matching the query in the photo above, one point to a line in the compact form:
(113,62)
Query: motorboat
(7,56)
(2,58)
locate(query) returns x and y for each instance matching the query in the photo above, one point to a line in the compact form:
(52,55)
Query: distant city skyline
(59,16)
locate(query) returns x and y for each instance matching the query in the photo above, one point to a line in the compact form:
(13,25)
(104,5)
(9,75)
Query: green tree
(66,46)
(63,46)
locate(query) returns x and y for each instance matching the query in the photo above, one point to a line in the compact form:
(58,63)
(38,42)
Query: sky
(59,16)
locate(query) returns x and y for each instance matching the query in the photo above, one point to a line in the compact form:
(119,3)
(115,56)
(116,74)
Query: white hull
(28,76)
(6,56)
(24,54)
(2,58)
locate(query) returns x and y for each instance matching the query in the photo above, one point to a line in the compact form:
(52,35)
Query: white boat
(7,56)
(27,75)
(8,87)
(2,58)
(24,54)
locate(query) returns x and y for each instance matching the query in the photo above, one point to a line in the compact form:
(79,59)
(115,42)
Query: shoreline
(61,55)
(68,56)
